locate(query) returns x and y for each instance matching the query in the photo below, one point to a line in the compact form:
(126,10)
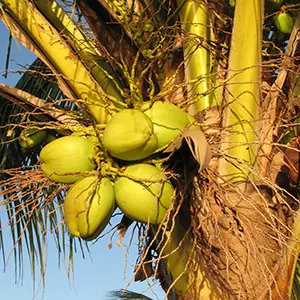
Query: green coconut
(65,155)
(89,206)
(143,201)
(284,22)
(32,137)
(129,135)
(168,121)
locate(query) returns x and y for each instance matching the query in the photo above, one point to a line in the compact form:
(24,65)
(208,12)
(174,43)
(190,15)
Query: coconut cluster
(111,169)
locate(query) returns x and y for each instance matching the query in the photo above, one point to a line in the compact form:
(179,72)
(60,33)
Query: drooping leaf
(32,207)
(30,102)
(198,146)
(121,294)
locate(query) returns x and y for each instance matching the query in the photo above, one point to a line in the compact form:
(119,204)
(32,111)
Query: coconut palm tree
(231,229)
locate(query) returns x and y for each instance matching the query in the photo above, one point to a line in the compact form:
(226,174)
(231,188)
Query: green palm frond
(121,294)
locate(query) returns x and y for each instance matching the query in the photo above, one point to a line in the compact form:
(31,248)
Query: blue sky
(102,271)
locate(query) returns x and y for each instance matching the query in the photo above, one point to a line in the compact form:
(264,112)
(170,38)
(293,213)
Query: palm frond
(36,82)
(121,294)
(33,206)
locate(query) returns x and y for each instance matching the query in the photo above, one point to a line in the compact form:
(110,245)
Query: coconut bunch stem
(179,254)
(194,17)
(242,103)
(83,47)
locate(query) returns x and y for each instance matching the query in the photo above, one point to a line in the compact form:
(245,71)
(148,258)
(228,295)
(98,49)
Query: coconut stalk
(189,274)
(241,112)
(25,22)
(117,42)
(194,17)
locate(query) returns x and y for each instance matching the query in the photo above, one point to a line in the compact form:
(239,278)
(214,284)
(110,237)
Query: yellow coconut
(64,158)
(129,135)
(88,207)
(143,201)
(168,121)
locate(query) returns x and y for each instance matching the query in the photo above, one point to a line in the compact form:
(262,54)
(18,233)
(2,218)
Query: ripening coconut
(168,121)
(129,135)
(64,158)
(88,207)
(284,22)
(32,137)
(143,201)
